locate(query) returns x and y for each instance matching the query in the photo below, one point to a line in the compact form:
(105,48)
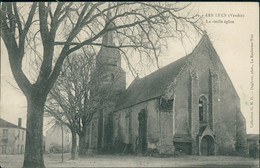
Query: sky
(233,28)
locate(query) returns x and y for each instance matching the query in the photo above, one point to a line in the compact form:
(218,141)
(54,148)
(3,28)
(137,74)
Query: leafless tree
(32,31)
(66,99)
(75,97)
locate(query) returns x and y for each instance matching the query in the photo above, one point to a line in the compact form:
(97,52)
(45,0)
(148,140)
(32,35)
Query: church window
(202,108)
(166,105)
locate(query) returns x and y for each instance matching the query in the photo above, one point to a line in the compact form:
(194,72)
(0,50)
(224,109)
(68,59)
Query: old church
(187,107)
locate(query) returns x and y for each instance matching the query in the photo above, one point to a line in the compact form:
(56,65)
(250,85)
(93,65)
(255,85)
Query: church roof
(154,84)
(6,124)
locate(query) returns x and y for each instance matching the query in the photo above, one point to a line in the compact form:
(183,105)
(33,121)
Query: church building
(187,107)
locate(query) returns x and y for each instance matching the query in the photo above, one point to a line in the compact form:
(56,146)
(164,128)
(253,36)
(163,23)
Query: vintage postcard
(129,84)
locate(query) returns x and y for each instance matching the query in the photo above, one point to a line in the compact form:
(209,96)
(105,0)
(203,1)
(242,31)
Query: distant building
(53,139)
(12,137)
(253,145)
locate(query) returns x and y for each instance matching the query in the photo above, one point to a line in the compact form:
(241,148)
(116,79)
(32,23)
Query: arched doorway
(142,131)
(207,145)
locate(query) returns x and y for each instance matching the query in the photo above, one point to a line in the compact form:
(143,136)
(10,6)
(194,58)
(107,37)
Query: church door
(142,144)
(207,146)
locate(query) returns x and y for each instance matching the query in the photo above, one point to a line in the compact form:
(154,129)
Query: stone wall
(194,98)
(216,85)
(205,75)
(159,127)
(166,136)
(181,109)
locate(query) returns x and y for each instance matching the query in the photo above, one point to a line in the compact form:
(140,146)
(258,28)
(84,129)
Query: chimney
(19,122)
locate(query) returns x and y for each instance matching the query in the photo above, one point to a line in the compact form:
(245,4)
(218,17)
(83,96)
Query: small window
(5,133)
(166,105)
(4,147)
(18,136)
(23,135)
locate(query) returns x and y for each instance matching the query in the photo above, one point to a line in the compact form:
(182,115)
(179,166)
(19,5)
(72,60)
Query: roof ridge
(135,80)
(202,39)
(160,69)
(4,123)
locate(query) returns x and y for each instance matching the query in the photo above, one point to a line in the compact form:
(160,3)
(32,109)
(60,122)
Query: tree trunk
(82,137)
(74,145)
(82,144)
(33,157)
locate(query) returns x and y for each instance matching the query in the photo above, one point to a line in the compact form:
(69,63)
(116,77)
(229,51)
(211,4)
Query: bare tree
(65,101)
(75,97)
(32,31)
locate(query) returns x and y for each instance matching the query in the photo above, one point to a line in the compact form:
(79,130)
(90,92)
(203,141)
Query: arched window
(203,109)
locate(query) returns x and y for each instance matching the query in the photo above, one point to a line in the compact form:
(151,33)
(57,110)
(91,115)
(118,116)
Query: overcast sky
(230,36)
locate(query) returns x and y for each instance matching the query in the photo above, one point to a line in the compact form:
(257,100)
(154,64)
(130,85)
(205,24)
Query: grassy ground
(54,160)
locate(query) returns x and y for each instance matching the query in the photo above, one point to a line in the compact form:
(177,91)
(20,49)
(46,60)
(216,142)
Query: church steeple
(108,37)
(109,56)
(108,61)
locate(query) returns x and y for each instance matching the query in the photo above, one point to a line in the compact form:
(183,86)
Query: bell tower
(112,80)
(108,64)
